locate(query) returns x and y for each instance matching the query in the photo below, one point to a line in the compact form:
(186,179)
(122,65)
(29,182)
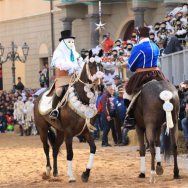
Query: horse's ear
(100,53)
(90,53)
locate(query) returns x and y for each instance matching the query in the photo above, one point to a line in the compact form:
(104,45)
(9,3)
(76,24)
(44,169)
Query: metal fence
(175,66)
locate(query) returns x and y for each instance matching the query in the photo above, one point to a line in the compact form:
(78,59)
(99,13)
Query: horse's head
(94,68)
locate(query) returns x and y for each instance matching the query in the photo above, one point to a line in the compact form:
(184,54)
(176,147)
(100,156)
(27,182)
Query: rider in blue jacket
(144,62)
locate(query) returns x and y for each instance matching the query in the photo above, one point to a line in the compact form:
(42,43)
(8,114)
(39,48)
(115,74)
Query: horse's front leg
(68,141)
(90,140)
(140,133)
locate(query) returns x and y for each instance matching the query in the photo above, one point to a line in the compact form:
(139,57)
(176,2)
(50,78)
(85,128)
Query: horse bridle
(98,75)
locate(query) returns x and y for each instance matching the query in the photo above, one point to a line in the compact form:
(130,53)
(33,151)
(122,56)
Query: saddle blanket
(45,103)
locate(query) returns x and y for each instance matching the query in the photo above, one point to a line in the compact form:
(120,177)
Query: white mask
(69,43)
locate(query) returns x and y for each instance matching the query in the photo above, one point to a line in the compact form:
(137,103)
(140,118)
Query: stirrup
(54,114)
(129,122)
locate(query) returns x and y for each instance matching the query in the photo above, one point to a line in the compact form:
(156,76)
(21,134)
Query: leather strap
(147,69)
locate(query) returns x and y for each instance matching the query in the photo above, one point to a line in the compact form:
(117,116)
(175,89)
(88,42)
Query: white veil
(61,57)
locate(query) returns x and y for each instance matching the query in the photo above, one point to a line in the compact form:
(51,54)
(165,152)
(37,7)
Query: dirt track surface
(22,163)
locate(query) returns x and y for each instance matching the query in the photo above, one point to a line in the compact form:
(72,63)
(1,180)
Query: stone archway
(129,30)
(43,55)
(125,26)
(43,50)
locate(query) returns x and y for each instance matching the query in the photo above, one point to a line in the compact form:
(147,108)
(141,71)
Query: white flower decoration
(83,108)
(92,106)
(80,59)
(71,95)
(94,77)
(78,104)
(86,89)
(92,100)
(92,60)
(99,74)
(74,99)
(90,95)
(89,113)
(97,59)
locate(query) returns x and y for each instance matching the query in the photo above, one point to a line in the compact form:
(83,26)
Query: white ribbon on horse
(166,96)
(90,126)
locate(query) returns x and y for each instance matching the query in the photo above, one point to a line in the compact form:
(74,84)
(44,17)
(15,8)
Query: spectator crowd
(16,108)
(170,35)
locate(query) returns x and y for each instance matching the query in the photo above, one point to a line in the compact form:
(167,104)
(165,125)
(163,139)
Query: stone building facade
(30,21)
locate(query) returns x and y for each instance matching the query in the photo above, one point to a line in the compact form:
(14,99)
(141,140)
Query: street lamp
(14,56)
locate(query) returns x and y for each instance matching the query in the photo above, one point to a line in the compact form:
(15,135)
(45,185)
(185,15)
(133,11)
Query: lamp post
(14,56)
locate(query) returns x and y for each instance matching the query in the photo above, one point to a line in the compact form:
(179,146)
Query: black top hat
(66,34)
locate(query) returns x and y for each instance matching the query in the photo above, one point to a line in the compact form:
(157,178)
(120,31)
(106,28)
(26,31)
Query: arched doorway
(129,30)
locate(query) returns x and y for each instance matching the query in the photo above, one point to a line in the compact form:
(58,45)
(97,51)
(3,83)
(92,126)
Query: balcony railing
(175,66)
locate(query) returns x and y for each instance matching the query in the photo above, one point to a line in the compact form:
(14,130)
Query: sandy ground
(22,163)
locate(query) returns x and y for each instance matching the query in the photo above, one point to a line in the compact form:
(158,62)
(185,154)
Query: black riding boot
(55,112)
(130,119)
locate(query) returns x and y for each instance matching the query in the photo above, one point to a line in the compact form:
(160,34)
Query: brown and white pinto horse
(70,124)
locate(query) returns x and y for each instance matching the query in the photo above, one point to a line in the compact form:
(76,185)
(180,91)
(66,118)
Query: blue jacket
(144,55)
(120,108)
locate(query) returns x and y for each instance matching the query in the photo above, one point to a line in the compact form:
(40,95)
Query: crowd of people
(110,104)
(170,35)
(16,108)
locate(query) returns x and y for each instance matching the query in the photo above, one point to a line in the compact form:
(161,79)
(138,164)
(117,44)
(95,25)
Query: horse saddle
(135,96)
(45,103)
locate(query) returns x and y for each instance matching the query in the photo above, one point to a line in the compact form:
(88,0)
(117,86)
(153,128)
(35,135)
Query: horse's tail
(166,96)
(167,143)
(52,136)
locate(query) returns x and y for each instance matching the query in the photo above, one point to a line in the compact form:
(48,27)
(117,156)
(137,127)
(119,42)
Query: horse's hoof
(45,177)
(72,180)
(177,177)
(142,175)
(48,171)
(159,170)
(152,181)
(55,174)
(85,177)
